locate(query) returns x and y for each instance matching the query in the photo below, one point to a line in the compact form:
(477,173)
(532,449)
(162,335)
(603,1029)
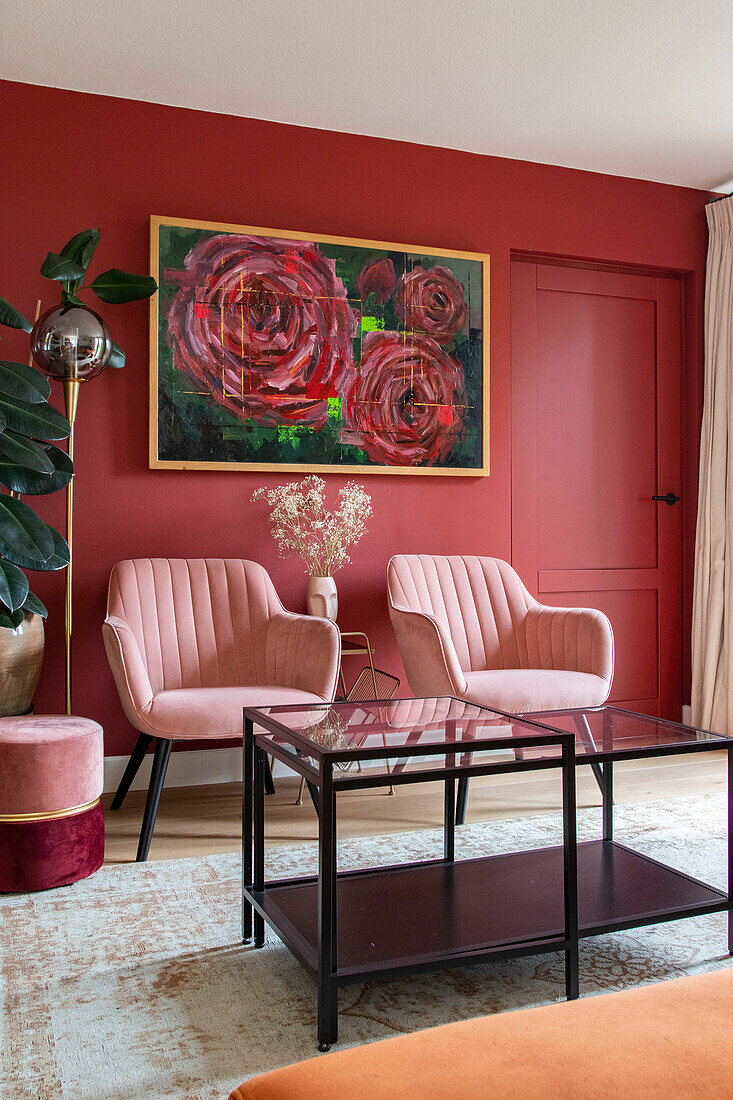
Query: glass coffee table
(354,926)
(386,921)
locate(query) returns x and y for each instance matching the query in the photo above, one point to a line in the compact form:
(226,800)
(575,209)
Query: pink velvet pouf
(51,816)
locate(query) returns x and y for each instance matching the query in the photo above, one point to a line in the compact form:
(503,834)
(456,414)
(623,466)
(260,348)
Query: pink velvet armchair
(191,642)
(467,627)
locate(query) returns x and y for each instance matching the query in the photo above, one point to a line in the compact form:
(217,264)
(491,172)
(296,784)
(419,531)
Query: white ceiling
(632,87)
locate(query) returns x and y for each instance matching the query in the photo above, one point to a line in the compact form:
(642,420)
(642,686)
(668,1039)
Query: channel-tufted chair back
(198,622)
(481,602)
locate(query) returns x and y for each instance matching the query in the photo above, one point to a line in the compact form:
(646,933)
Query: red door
(596,419)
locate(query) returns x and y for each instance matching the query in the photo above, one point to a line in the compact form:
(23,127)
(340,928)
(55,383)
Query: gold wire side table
(355,650)
(371,683)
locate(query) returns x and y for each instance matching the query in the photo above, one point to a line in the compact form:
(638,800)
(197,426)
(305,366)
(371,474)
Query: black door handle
(668,498)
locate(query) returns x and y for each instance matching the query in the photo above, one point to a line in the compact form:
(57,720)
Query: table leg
(607,790)
(730,850)
(570,861)
(247,775)
(259,845)
(327,913)
(449,821)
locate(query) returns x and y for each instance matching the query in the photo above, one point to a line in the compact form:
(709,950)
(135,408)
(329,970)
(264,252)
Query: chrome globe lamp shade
(71,342)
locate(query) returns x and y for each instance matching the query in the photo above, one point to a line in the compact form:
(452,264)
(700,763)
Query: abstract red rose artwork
(377,278)
(431,302)
(278,351)
(264,327)
(406,406)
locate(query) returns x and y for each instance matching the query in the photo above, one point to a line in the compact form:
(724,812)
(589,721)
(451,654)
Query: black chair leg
(316,798)
(269,781)
(133,766)
(461,800)
(598,773)
(157,778)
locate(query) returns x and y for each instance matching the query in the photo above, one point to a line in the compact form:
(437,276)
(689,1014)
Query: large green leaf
(61,269)
(11,620)
(59,558)
(34,605)
(21,451)
(23,534)
(81,247)
(13,586)
(10,317)
(29,482)
(115,286)
(27,383)
(37,421)
(117,357)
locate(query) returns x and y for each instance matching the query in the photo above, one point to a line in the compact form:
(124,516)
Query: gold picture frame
(380,302)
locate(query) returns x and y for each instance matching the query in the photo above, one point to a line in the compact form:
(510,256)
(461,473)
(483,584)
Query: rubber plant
(30,462)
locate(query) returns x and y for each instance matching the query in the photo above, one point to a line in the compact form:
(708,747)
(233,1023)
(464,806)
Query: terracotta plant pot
(21,657)
(321,597)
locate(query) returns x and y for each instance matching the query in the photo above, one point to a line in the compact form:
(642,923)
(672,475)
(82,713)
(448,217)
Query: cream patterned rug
(134,984)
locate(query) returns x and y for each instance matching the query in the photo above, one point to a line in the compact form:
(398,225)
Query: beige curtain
(712,612)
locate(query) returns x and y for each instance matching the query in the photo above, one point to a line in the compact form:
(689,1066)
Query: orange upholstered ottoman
(673,1039)
(51,816)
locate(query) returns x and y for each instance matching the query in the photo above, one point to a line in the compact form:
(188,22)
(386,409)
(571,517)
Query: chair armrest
(572,639)
(128,668)
(427,652)
(303,652)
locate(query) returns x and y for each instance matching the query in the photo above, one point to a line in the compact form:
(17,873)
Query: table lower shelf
(436,914)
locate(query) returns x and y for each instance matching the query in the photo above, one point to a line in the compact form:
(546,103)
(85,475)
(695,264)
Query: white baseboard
(186,769)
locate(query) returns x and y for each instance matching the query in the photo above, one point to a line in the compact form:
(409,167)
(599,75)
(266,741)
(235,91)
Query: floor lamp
(72,345)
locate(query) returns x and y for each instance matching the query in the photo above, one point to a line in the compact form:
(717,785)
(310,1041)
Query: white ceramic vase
(321,597)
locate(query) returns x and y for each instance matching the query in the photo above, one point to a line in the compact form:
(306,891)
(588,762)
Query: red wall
(72,161)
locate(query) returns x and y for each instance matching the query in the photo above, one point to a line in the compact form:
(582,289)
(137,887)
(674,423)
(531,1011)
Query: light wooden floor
(204,820)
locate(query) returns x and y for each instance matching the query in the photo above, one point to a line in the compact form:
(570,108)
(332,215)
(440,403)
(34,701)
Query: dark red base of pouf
(38,855)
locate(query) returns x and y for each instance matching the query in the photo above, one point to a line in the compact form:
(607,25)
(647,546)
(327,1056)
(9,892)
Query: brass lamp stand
(71,344)
(71,400)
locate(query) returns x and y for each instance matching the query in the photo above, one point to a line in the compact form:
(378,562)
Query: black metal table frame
(321,781)
(601,762)
(328,977)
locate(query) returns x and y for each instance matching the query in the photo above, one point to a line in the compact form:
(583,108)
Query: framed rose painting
(274,350)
